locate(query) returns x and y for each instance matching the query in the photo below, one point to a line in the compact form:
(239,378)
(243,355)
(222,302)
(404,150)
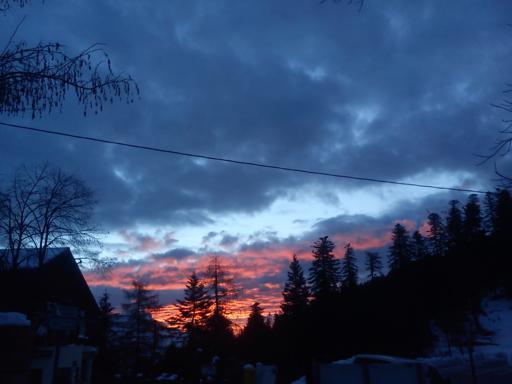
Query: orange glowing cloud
(259,270)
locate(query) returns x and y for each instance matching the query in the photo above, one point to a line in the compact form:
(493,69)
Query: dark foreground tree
(296,292)
(194,309)
(255,336)
(140,334)
(106,359)
(437,235)
(36,79)
(45,207)
(400,249)
(419,246)
(373,265)
(454,226)
(219,328)
(349,268)
(106,319)
(472,229)
(5,5)
(324,274)
(221,285)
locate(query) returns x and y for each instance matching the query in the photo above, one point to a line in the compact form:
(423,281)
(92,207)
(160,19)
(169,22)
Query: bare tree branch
(37,79)
(45,208)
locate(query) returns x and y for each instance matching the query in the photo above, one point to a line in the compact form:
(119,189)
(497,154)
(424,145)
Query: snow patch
(13,319)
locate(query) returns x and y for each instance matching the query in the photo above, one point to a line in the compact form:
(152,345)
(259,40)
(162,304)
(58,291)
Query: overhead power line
(233,161)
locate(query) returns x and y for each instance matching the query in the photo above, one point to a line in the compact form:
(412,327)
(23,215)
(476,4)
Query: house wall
(74,361)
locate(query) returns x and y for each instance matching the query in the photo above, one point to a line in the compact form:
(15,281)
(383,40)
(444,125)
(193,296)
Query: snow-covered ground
(498,319)
(492,354)
(13,319)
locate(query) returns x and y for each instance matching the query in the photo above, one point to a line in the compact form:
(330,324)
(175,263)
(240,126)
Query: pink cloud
(261,271)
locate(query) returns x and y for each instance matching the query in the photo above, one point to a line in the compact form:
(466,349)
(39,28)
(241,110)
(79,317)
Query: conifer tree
(222,290)
(106,313)
(489,219)
(373,265)
(106,322)
(419,246)
(436,235)
(220,284)
(503,216)
(194,309)
(296,292)
(454,225)
(140,326)
(400,249)
(324,274)
(502,237)
(256,323)
(349,268)
(256,334)
(472,225)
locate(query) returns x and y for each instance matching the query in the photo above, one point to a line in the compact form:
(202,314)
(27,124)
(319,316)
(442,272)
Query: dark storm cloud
(176,254)
(228,240)
(414,213)
(391,92)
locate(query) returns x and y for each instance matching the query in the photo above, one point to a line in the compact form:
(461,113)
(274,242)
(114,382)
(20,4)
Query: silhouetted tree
(219,332)
(194,309)
(105,319)
(296,291)
(105,360)
(140,326)
(220,285)
(43,208)
(436,235)
(419,246)
(502,237)
(454,225)
(256,333)
(324,274)
(349,268)
(36,79)
(5,5)
(373,265)
(218,335)
(503,216)
(472,226)
(489,219)
(400,249)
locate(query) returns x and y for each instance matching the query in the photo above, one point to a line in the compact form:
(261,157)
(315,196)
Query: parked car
(377,369)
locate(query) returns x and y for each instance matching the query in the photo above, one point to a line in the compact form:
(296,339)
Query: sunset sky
(401,90)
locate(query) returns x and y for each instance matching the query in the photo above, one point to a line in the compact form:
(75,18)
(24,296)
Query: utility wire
(232,161)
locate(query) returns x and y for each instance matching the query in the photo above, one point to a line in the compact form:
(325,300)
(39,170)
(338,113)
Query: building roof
(28,256)
(58,280)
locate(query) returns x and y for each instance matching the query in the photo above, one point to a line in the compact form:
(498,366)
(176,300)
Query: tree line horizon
(432,293)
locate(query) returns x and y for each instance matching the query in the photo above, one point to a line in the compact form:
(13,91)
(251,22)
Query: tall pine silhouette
(255,336)
(349,268)
(324,274)
(400,249)
(454,226)
(436,235)
(373,265)
(296,292)
(222,289)
(419,246)
(472,229)
(140,325)
(194,309)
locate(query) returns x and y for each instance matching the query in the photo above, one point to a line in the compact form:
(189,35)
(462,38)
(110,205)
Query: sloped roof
(59,280)
(28,256)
